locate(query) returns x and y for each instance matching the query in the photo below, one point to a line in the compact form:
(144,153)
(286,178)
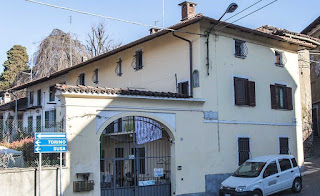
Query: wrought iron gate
(135,158)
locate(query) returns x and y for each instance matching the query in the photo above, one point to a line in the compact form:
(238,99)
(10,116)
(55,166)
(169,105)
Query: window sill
(240,57)
(246,106)
(279,109)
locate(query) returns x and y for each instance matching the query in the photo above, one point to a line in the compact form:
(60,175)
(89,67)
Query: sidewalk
(312,164)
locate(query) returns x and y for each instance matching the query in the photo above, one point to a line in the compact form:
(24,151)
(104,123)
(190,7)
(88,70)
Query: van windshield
(249,169)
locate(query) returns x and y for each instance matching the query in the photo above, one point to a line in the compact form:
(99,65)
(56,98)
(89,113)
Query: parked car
(262,176)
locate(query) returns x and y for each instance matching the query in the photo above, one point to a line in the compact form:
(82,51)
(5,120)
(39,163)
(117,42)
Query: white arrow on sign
(38,142)
(50,136)
(38,149)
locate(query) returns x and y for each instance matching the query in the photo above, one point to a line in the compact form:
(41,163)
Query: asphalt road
(310,186)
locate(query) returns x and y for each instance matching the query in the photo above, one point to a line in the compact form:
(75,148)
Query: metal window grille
(118,69)
(240,48)
(127,167)
(95,78)
(284,145)
(243,149)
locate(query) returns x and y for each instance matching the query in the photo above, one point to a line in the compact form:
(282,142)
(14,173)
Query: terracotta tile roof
(116,91)
(290,36)
(264,32)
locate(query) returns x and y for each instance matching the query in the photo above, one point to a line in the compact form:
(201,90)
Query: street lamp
(231,8)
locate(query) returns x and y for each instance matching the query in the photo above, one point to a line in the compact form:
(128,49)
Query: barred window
(240,48)
(50,119)
(96,76)
(138,57)
(284,145)
(243,150)
(30,124)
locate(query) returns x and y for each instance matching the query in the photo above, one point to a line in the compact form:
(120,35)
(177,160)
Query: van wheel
(297,185)
(256,193)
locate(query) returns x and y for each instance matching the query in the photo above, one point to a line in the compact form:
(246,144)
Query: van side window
(284,164)
(271,169)
(294,162)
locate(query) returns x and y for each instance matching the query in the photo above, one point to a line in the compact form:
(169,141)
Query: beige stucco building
(211,101)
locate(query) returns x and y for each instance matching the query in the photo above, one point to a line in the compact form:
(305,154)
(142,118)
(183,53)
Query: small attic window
(96,76)
(118,69)
(240,48)
(81,79)
(279,58)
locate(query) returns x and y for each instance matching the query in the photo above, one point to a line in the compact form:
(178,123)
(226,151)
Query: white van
(262,176)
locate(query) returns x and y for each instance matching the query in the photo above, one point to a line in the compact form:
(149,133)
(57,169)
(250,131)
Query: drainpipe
(190,57)
(207,43)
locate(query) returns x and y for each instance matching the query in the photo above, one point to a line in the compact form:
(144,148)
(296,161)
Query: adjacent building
(175,112)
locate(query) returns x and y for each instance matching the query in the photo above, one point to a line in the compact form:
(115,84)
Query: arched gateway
(135,158)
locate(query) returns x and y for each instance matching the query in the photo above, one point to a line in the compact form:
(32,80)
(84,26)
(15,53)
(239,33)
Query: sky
(26,23)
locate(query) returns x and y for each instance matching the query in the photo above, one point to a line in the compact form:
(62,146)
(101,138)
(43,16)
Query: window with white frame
(50,119)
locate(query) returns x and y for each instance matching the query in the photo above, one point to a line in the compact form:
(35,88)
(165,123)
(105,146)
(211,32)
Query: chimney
(6,97)
(153,30)
(187,10)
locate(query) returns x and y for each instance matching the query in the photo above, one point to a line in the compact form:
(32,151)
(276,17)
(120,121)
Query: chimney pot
(187,10)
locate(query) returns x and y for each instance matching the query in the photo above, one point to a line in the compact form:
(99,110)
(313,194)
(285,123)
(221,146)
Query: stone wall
(306,101)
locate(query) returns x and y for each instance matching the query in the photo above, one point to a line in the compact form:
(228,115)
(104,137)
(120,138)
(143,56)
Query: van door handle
(292,171)
(278,176)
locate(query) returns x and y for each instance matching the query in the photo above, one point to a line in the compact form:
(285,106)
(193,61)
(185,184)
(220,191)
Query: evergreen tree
(16,63)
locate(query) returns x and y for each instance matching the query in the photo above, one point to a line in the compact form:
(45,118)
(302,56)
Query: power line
(240,12)
(248,14)
(111,18)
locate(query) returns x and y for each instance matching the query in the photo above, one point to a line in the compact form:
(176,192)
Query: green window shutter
(54,116)
(46,119)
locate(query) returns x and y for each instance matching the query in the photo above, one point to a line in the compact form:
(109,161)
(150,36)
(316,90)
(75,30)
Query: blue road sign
(50,149)
(50,142)
(50,136)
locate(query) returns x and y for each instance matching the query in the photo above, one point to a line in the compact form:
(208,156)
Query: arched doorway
(135,158)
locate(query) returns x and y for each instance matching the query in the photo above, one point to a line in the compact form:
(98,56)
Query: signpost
(50,143)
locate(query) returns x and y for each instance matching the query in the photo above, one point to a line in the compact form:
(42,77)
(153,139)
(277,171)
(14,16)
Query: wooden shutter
(239,91)
(289,98)
(274,102)
(252,93)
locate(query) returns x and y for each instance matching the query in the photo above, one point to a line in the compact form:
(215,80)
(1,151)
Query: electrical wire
(248,14)
(240,12)
(111,18)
